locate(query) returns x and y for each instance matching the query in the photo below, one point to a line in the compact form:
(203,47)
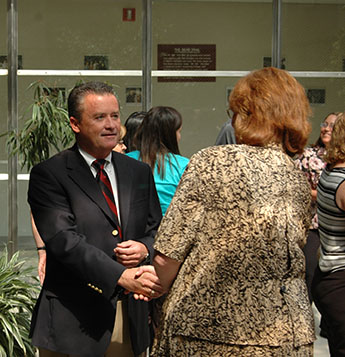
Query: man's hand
(130,253)
(142,281)
(154,293)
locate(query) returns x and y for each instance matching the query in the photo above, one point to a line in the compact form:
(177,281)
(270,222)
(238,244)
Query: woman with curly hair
(311,162)
(328,286)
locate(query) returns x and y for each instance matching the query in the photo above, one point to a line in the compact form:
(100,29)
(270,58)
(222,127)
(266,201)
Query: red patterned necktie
(105,185)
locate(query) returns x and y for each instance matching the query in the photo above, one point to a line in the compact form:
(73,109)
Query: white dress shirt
(109,169)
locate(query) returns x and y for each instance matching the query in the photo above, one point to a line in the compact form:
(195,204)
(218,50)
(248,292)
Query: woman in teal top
(157,142)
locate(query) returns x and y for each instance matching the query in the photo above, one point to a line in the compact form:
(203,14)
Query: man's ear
(74,122)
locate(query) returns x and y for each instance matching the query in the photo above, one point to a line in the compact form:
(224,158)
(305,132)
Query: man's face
(98,129)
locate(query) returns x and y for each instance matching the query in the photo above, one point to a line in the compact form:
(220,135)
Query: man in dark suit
(94,242)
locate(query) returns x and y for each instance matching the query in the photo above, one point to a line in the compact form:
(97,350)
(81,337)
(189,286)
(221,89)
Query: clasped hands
(142,281)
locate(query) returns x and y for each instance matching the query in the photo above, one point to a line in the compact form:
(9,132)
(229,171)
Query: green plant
(46,128)
(18,291)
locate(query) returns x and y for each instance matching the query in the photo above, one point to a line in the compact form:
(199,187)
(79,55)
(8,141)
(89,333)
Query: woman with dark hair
(157,144)
(132,125)
(229,247)
(311,162)
(328,286)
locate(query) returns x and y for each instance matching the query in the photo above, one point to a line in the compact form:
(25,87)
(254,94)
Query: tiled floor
(320,345)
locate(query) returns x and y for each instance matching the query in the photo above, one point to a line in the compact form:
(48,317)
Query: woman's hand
(147,269)
(42,259)
(143,282)
(313,194)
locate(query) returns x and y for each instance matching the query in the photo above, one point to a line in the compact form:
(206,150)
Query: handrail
(160,73)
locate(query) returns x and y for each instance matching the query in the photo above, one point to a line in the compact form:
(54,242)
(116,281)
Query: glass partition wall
(186,54)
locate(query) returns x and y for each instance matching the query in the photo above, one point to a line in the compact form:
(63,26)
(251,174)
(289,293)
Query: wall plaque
(187,58)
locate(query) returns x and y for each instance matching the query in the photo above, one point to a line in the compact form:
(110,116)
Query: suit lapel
(79,171)
(123,180)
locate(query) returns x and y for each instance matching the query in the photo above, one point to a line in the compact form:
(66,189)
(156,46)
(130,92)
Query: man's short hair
(78,93)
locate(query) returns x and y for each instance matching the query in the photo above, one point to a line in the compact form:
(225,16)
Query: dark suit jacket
(76,308)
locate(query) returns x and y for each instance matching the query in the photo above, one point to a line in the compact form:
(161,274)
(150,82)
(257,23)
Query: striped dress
(331,221)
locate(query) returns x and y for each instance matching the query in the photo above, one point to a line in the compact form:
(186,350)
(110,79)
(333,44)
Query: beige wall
(57,35)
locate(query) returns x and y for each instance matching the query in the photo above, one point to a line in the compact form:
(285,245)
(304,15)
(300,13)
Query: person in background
(120,146)
(227,134)
(229,247)
(132,124)
(41,251)
(328,286)
(157,141)
(311,162)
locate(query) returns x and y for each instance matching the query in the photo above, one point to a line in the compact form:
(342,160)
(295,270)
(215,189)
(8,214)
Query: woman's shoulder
(180,159)
(338,171)
(234,150)
(312,158)
(220,157)
(177,163)
(133,154)
(313,151)
(229,149)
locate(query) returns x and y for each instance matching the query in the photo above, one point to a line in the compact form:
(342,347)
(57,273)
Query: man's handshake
(143,282)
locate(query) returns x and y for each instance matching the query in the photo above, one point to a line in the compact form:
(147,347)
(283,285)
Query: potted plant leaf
(45,129)
(18,291)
